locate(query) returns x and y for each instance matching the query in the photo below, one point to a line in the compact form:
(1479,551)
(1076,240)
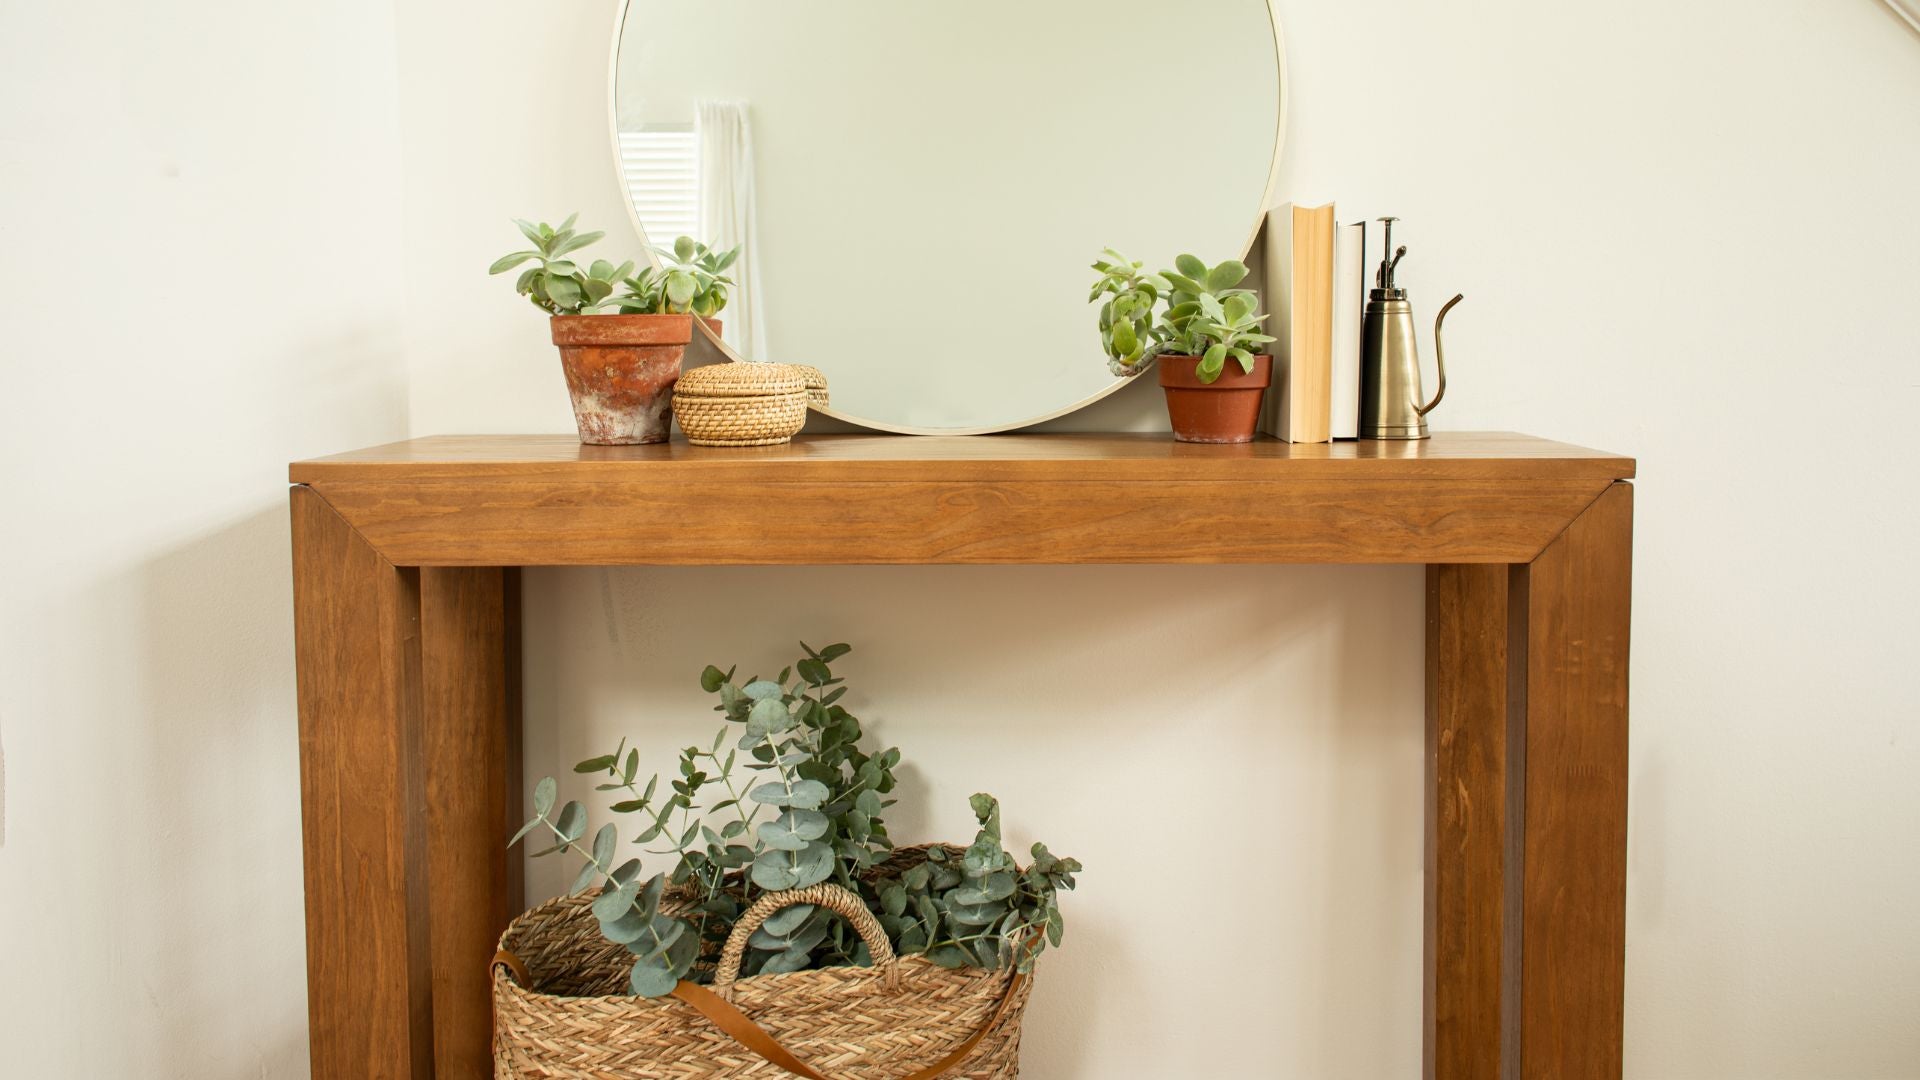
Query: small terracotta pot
(1226,410)
(620,372)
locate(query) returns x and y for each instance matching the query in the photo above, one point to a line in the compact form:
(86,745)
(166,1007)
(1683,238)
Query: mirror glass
(920,188)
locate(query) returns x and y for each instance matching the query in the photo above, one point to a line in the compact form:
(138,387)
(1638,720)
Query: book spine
(1309,386)
(1349,303)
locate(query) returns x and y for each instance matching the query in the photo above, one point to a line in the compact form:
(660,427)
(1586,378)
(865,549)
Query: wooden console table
(406,606)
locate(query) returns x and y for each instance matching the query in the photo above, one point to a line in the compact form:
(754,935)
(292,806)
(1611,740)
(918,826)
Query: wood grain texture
(1448,455)
(471,740)
(1017,499)
(356,641)
(1466,820)
(1572,882)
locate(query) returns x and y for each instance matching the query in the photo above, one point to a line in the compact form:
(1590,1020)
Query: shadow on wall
(209,778)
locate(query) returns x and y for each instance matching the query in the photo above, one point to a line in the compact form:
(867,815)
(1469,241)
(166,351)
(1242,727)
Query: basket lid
(816,379)
(741,379)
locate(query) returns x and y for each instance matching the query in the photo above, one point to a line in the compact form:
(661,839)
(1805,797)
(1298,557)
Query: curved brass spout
(1440,355)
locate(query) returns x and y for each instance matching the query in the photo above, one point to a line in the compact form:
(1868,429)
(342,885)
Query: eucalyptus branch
(827,795)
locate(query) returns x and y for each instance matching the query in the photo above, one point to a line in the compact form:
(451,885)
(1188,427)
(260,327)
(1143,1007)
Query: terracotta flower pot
(620,372)
(1226,410)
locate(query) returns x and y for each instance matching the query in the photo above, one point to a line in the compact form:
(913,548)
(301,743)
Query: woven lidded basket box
(563,1011)
(741,404)
(816,381)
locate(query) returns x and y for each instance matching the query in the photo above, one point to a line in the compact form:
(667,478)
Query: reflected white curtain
(727,217)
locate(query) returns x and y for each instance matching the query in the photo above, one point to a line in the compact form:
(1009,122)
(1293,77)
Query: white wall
(1681,228)
(199,220)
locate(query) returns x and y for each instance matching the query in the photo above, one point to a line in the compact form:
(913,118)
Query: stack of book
(1316,282)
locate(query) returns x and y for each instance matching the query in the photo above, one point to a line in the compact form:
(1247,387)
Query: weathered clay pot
(620,371)
(1226,410)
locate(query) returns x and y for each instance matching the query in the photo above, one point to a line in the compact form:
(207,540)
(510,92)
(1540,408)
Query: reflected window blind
(662,167)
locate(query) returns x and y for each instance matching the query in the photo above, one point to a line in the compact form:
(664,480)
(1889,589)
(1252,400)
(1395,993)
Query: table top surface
(1136,457)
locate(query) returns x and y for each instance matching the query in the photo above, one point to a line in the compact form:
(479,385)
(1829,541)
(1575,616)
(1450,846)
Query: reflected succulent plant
(691,278)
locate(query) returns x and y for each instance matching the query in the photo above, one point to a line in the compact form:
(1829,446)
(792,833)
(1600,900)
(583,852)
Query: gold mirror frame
(640,230)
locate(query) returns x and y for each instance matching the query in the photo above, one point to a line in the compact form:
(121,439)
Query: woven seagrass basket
(741,404)
(562,1010)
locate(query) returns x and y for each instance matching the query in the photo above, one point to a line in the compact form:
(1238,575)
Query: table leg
(410,785)
(1527,807)
(1467,819)
(469,627)
(357,646)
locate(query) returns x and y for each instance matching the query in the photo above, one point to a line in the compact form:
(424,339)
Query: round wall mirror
(918,189)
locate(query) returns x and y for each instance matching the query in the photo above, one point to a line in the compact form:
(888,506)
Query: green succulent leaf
(1226,275)
(575,243)
(508,262)
(1212,364)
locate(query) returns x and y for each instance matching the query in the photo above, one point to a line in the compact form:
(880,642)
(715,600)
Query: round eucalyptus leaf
(658,944)
(774,871)
(762,690)
(778,836)
(808,794)
(785,921)
(572,824)
(543,795)
(772,794)
(786,960)
(806,824)
(626,929)
(813,865)
(613,903)
(948,956)
(585,878)
(649,899)
(973,914)
(604,842)
(649,980)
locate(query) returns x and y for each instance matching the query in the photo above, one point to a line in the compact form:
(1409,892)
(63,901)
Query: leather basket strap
(755,1038)
(512,963)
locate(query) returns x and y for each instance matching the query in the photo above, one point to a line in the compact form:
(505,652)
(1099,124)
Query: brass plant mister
(1390,392)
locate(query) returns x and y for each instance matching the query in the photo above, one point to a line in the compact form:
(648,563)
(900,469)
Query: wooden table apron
(406,599)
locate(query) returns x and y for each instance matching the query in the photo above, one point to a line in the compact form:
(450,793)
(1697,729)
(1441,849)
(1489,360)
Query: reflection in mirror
(919,188)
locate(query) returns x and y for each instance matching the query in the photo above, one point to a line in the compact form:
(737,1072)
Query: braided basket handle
(829,896)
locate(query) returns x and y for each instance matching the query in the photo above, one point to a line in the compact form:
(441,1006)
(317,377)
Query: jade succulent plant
(785,796)
(1205,314)
(557,284)
(690,278)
